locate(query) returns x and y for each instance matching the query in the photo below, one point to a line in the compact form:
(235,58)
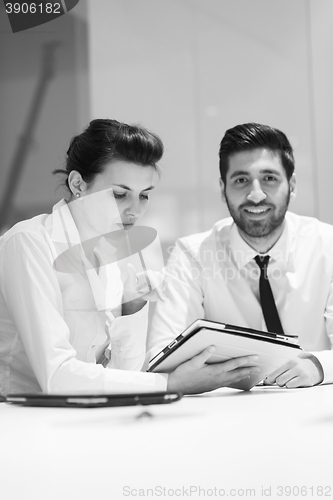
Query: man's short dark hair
(250,136)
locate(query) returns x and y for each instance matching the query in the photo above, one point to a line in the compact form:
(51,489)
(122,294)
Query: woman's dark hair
(251,136)
(104,141)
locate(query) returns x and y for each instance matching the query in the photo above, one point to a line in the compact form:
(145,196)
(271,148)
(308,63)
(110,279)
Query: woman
(73,316)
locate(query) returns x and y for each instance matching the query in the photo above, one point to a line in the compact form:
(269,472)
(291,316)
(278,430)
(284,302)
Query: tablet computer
(231,341)
(93,400)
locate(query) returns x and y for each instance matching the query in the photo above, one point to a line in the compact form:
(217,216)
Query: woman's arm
(34,300)
(33,296)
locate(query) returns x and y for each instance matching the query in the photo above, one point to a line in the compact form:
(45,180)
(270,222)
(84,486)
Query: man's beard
(259,228)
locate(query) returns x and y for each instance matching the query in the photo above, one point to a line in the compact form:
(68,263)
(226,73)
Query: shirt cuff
(325,358)
(128,334)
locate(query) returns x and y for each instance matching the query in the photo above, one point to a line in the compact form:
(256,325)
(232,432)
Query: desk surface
(224,442)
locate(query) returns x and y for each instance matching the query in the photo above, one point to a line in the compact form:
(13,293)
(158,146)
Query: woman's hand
(195,376)
(146,285)
(140,288)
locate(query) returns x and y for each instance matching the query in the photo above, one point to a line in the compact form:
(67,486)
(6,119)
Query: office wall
(44,101)
(321,119)
(190,69)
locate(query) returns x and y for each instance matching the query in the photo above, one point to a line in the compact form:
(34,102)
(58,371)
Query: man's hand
(304,371)
(195,376)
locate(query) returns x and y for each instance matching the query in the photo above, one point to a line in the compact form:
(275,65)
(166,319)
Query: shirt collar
(63,228)
(280,252)
(67,243)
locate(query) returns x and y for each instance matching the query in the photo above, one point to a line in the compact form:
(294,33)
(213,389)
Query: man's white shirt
(213,275)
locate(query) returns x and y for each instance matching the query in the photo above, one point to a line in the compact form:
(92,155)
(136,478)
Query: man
(217,275)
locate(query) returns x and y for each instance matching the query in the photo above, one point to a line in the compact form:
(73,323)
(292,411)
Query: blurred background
(186,69)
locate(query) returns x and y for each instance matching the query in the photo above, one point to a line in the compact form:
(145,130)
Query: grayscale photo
(166,249)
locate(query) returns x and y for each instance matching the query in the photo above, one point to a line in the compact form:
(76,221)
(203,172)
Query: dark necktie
(268,306)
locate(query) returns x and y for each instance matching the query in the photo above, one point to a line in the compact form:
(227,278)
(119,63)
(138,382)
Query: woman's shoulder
(34,228)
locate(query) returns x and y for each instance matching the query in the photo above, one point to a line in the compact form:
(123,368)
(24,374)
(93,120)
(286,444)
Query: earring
(77,195)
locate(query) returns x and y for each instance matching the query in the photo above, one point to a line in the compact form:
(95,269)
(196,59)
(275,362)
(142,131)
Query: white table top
(220,442)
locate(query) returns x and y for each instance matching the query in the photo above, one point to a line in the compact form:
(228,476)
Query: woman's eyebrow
(129,189)
(122,186)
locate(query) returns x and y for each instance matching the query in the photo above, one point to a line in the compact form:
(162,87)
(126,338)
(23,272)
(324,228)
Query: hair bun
(74,140)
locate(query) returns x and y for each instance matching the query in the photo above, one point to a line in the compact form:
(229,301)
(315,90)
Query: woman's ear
(76,184)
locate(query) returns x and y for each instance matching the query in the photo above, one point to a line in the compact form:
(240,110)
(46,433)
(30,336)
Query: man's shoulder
(304,225)
(195,243)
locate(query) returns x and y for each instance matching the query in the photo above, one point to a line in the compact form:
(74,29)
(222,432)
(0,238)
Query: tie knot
(262,261)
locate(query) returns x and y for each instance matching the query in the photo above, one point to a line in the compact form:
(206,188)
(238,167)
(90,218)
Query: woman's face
(129,186)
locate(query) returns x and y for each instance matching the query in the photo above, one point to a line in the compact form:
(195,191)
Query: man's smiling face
(257,193)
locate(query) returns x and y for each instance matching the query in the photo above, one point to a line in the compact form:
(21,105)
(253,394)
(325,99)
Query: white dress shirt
(59,315)
(212,275)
